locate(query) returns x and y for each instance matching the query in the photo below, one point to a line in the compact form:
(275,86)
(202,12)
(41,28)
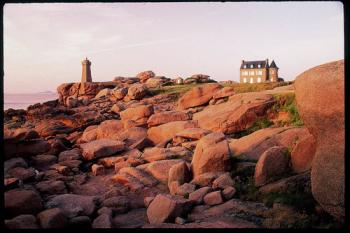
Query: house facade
(258,71)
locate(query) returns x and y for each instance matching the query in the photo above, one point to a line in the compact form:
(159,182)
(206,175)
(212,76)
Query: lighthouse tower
(86,73)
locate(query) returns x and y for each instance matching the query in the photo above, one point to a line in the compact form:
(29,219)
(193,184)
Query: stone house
(258,71)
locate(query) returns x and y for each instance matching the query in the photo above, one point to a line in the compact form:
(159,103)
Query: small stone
(52,218)
(120,165)
(213,198)
(185,189)
(147,201)
(102,221)
(228,192)
(223,181)
(24,221)
(80,222)
(173,186)
(179,220)
(199,194)
(98,170)
(64,170)
(105,210)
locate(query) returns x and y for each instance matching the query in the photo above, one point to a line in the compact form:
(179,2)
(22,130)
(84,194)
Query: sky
(44,43)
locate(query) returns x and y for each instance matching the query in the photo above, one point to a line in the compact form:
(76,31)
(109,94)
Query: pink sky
(45,43)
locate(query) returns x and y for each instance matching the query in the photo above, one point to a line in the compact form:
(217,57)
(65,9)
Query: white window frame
(251,66)
(259,66)
(245,66)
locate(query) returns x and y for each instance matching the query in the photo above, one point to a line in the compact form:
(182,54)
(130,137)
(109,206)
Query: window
(245,66)
(251,66)
(245,80)
(259,72)
(259,66)
(272,71)
(259,79)
(271,79)
(244,73)
(251,80)
(251,72)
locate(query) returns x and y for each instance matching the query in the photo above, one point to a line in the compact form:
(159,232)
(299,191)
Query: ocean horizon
(24,100)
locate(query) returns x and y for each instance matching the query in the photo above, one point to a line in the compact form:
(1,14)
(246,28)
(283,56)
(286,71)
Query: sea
(22,101)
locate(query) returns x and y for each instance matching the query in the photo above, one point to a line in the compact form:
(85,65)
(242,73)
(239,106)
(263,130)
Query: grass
(173,89)
(299,200)
(255,87)
(286,103)
(239,87)
(257,125)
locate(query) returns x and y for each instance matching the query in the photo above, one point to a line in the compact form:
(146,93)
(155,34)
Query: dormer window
(245,66)
(251,66)
(259,66)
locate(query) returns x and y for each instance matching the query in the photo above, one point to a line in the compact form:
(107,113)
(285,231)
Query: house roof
(273,64)
(263,64)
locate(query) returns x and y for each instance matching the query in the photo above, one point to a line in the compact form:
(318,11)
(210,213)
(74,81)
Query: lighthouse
(86,72)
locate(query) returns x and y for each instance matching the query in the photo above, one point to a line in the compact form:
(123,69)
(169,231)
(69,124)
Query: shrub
(286,103)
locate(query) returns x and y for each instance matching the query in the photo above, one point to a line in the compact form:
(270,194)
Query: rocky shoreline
(123,154)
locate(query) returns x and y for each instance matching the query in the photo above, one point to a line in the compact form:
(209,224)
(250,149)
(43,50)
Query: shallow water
(22,101)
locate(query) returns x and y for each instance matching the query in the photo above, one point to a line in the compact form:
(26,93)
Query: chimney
(242,61)
(267,61)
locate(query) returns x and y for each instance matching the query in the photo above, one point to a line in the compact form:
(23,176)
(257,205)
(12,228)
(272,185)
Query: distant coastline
(22,101)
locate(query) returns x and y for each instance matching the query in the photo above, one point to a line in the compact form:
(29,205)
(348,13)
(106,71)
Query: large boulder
(303,153)
(52,218)
(73,205)
(235,115)
(87,90)
(25,148)
(167,116)
(272,163)
(157,153)
(320,101)
(224,92)
(212,154)
(167,131)
(135,137)
(119,93)
(198,96)
(165,208)
(137,91)
(109,129)
(89,134)
(160,169)
(178,173)
(103,93)
(101,148)
(138,114)
(23,221)
(156,81)
(145,75)
(20,134)
(252,146)
(19,201)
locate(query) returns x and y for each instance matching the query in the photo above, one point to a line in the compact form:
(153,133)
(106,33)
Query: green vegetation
(255,87)
(173,89)
(258,124)
(299,200)
(246,189)
(286,103)
(238,87)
